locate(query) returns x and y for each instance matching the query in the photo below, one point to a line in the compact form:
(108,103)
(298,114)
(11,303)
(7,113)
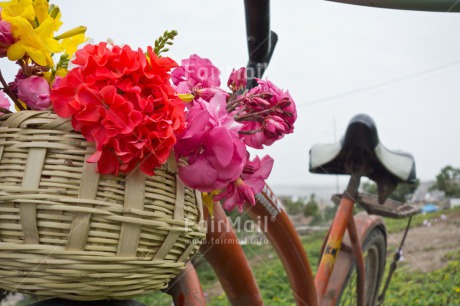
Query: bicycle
(362,249)
(366,233)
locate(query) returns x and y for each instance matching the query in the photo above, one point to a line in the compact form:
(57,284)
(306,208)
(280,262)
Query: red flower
(123,101)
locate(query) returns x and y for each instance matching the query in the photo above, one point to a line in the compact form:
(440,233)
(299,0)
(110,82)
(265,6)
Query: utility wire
(378,85)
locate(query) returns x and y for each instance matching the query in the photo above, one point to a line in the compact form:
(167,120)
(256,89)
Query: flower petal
(199,175)
(220,143)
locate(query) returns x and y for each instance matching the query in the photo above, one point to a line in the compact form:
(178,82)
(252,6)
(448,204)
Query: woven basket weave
(67,231)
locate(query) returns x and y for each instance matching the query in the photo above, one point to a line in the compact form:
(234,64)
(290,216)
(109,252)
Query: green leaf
(164,40)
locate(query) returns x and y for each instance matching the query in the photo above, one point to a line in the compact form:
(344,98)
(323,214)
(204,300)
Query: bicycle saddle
(361,144)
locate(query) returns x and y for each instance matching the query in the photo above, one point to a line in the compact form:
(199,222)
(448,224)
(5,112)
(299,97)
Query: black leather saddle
(361,147)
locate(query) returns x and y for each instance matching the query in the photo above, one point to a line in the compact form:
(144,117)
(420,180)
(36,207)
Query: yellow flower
(186,97)
(61,72)
(41,10)
(56,15)
(23,105)
(38,43)
(70,33)
(33,23)
(48,76)
(70,44)
(18,8)
(457,289)
(208,202)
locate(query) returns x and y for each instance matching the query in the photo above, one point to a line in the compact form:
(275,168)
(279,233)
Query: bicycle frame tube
(232,268)
(278,228)
(364,225)
(228,260)
(358,255)
(339,225)
(185,288)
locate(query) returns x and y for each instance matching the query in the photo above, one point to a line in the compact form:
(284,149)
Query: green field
(440,287)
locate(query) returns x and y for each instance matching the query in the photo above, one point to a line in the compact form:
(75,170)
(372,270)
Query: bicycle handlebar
(261,40)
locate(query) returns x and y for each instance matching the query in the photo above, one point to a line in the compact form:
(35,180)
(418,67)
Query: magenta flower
(6,37)
(272,129)
(279,98)
(236,194)
(35,92)
(208,93)
(215,153)
(275,126)
(194,74)
(237,79)
(255,172)
(250,183)
(267,115)
(255,137)
(4,102)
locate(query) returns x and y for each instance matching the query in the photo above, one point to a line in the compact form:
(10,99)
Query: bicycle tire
(374,252)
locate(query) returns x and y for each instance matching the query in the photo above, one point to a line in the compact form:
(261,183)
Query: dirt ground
(426,246)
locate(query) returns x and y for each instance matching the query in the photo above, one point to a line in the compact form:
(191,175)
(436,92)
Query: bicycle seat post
(337,231)
(353,185)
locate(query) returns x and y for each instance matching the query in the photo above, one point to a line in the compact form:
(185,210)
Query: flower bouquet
(106,163)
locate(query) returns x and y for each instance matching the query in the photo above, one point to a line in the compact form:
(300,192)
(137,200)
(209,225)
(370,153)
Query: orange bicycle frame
(235,275)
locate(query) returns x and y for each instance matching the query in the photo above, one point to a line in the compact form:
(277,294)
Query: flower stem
(10,93)
(241,111)
(254,115)
(250,132)
(5,111)
(233,104)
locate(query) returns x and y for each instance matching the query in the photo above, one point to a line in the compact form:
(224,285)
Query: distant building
(454,202)
(423,194)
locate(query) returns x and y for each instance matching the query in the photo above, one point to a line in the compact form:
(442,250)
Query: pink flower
(211,143)
(6,37)
(236,194)
(255,172)
(207,93)
(278,98)
(35,92)
(256,137)
(272,129)
(237,79)
(194,74)
(269,113)
(251,182)
(4,102)
(275,126)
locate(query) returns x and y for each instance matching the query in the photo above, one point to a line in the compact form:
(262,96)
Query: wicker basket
(67,231)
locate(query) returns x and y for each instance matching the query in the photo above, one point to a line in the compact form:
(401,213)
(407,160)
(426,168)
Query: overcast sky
(400,67)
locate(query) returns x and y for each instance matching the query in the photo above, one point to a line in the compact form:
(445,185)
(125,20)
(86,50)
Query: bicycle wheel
(374,251)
